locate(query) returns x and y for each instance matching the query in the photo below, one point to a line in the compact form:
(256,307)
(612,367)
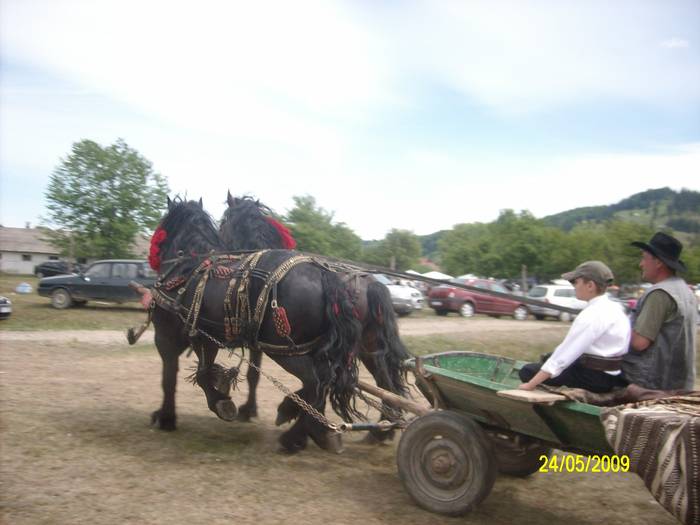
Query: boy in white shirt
(590,357)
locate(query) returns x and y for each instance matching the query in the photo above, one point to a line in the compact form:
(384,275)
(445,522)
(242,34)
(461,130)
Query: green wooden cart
(480,424)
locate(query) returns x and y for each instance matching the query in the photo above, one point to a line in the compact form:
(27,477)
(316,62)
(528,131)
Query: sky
(391,114)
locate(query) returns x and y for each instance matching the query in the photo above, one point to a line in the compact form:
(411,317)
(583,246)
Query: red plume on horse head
(249,224)
(285,235)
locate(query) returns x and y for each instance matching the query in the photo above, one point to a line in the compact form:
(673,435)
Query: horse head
(186,228)
(249,225)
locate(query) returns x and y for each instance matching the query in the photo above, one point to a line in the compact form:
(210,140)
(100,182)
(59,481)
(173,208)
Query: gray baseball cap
(595,271)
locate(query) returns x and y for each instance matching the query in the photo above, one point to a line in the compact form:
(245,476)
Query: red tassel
(336,309)
(279,317)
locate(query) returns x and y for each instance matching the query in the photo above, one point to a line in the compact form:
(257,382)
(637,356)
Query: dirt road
(77,448)
(408,326)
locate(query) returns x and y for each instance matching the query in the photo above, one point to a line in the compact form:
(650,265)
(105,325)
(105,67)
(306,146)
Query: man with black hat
(590,356)
(662,351)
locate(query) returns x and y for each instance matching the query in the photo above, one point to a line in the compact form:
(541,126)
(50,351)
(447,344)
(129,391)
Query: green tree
(99,199)
(400,248)
(501,248)
(315,232)
(610,242)
(691,258)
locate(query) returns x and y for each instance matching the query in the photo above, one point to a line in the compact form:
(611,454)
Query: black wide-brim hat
(665,248)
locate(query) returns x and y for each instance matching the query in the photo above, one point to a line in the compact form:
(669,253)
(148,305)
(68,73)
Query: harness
(243,314)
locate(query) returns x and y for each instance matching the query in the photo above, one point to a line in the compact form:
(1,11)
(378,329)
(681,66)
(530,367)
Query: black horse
(298,312)
(249,225)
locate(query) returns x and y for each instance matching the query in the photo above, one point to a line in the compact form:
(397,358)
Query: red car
(446,298)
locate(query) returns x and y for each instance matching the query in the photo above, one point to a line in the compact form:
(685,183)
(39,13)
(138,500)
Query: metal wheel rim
(60,298)
(467,310)
(520,313)
(442,469)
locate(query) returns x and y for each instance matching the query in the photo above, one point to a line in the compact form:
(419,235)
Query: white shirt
(600,329)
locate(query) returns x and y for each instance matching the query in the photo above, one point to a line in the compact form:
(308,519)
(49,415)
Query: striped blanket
(662,439)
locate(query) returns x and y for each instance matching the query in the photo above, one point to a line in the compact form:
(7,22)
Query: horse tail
(391,352)
(341,347)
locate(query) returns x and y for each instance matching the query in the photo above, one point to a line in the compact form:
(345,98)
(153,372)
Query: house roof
(27,240)
(30,240)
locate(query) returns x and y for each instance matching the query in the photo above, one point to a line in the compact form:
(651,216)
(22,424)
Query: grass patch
(32,312)
(503,344)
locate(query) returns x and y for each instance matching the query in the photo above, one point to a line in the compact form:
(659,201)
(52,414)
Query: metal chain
(298,400)
(293,395)
(318,416)
(382,408)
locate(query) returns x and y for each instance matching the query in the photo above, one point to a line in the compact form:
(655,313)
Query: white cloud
(468,190)
(273,98)
(262,67)
(675,43)
(520,57)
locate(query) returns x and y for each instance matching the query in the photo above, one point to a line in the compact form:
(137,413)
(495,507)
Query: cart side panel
(468,382)
(485,406)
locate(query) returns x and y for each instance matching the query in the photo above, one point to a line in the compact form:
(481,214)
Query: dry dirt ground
(76,447)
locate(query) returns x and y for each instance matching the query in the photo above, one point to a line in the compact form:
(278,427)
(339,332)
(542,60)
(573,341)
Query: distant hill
(658,208)
(662,207)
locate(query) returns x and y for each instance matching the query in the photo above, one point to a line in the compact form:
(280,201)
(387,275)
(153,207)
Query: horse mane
(249,225)
(186,227)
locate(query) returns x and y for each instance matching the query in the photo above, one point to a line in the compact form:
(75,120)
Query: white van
(559,294)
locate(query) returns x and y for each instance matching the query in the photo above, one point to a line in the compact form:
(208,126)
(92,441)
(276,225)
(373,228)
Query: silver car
(404,298)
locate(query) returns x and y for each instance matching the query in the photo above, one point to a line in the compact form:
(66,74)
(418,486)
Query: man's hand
(146,299)
(526,386)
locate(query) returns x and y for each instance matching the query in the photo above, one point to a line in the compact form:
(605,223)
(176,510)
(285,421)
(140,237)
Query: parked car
(559,294)
(404,298)
(5,307)
(50,268)
(103,280)
(446,298)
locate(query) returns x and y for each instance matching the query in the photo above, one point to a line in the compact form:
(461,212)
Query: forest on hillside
(516,241)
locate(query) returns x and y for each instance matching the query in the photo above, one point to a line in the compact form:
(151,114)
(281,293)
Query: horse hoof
(164,423)
(281,419)
(289,445)
(335,443)
(226,410)
(378,437)
(245,413)
(287,411)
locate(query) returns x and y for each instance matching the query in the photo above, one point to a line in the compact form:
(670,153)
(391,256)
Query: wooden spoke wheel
(445,463)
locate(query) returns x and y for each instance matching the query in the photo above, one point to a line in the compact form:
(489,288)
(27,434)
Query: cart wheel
(446,463)
(517,458)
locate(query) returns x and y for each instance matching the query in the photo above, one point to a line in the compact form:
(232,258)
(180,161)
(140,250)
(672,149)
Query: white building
(21,249)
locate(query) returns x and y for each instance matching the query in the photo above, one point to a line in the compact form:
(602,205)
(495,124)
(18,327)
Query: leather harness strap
(239,321)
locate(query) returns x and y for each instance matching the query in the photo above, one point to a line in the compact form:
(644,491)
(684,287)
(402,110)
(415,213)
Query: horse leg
(250,407)
(383,353)
(287,410)
(207,377)
(169,349)
(371,356)
(314,390)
